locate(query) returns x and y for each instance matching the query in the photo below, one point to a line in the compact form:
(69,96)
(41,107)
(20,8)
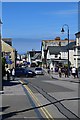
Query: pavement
(70,78)
(55,76)
(16,102)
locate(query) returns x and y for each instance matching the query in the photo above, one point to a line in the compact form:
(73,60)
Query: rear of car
(39,71)
(19,72)
(30,73)
(24,72)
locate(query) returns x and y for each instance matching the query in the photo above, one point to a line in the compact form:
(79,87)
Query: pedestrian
(52,69)
(66,72)
(48,70)
(74,71)
(77,72)
(13,73)
(8,73)
(59,71)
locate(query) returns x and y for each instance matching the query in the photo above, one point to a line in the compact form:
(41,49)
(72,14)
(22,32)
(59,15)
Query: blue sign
(28,63)
(8,61)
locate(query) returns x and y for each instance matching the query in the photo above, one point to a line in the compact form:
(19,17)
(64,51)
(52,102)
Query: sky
(28,23)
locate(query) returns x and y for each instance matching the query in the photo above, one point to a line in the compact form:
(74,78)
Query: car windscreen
(19,69)
(38,69)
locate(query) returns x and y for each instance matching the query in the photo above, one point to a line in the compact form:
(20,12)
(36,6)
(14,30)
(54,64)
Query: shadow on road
(9,83)
(4,108)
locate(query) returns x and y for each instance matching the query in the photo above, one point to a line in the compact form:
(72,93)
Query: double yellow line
(46,113)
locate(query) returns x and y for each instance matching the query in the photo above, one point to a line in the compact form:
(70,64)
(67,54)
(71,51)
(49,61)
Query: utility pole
(68,44)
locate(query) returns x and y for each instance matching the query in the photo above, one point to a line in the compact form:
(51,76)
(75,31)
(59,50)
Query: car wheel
(26,75)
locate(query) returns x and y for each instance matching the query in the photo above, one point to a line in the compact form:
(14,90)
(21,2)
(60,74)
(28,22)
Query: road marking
(44,110)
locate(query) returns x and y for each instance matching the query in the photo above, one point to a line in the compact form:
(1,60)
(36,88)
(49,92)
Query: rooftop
(57,39)
(58,49)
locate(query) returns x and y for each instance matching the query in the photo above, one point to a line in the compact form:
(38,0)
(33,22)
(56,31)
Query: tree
(66,65)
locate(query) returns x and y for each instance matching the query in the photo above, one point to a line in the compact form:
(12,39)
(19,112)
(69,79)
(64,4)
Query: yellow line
(35,100)
(46,113)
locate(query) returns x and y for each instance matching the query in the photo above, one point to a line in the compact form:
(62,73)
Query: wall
(8,48)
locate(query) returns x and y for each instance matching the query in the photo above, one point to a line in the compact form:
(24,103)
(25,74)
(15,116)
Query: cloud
(63,12)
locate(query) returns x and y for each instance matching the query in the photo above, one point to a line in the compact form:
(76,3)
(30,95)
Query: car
(24,72)
(39,71)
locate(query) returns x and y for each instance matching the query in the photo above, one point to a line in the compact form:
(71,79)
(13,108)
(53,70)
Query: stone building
(8,52)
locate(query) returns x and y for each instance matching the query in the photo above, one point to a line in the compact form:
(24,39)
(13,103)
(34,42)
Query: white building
(59,55)
(77,51)
(33,56)
(57,42)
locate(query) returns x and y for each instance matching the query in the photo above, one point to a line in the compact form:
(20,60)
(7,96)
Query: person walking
(59,71)
(8,73)
(77,72)
(13,73)
(66,72)
(48,70)
(74,71)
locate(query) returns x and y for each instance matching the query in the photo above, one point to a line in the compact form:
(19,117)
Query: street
(45,98)
(40,60)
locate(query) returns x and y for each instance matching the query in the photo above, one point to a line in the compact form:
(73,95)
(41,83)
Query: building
(8,52)
(77,51)
(33,56)
(57,42)
(58,55)
(8,41)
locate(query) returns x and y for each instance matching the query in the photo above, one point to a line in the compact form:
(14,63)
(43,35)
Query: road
(51,98)
(60,98)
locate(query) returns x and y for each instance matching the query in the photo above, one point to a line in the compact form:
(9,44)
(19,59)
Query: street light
(62,30)
(1,87)
(0,28)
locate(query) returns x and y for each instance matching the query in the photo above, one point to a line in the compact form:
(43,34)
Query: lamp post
(1,87)
(68,42)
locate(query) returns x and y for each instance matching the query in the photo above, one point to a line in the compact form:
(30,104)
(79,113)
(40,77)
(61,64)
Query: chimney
(57,38)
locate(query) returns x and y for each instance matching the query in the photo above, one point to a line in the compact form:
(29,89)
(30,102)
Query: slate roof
(36,56)
(32,53)
(58,49)
(71,45)
(8,41)
(77,34)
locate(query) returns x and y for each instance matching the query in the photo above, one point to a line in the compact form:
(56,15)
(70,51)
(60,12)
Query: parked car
(24,72)
(39,71)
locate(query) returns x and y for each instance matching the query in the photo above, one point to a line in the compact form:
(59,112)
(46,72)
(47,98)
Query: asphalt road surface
(59,98)
(51,98)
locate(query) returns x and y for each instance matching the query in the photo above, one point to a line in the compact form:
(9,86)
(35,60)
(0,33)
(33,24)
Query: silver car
(39,71)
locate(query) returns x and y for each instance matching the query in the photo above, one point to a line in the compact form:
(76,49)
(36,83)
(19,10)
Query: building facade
(57,42)
(9,53)
(58,55)
(77,51)
(33,56)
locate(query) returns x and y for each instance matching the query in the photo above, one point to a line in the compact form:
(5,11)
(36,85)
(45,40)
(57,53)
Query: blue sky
(28,23)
